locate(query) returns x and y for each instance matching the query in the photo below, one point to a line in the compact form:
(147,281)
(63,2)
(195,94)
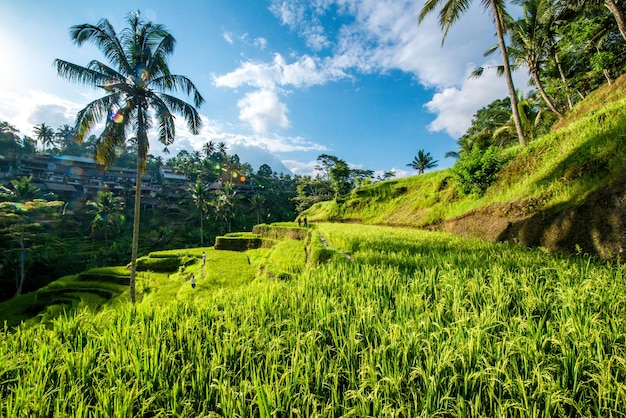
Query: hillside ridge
(565,191)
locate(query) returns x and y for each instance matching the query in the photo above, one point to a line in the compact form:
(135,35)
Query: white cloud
(263,111)
(260,43)
(306,71)
(455,106)
(302,168)
(383,35)
(24,111)
(228,37)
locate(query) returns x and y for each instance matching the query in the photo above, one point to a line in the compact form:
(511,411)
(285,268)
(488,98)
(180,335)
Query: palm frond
(79,74)
(107,71)
(103,36)
(179,83)
(165,120)
(88,117)
(189,112)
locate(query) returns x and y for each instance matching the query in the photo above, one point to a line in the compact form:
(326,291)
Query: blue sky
(284,81)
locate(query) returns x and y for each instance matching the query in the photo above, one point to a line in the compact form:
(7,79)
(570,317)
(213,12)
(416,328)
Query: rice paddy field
(402,323)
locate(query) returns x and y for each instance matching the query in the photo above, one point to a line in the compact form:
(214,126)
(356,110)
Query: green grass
(417,324)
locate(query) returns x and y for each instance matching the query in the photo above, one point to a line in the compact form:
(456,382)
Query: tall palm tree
(135,85)
(200,196)
(452,11)
(422,161)
(531,44)
(44,134)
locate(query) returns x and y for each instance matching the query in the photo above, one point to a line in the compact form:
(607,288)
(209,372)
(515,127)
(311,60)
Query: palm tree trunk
(543,93)
(619,18)
(22,279)
(507,73)
(135,245)
(201,228)
(564,79)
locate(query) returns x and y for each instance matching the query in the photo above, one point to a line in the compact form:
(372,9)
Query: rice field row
(417,324)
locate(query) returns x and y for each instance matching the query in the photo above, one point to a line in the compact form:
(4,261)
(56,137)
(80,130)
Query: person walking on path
(193,281)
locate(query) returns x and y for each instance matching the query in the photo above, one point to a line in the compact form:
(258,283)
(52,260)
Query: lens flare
(141,76)
(117,118)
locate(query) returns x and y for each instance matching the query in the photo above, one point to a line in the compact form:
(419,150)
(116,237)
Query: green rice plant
(417,324)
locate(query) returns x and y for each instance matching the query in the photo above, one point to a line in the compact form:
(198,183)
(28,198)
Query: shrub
(476,170)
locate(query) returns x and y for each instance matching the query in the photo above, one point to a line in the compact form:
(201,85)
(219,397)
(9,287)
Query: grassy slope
(553,193)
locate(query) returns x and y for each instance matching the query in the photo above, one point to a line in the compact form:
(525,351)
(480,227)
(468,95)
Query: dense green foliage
(416,324)
(476,170)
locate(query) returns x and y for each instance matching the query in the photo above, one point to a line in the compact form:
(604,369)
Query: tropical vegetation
(135,84)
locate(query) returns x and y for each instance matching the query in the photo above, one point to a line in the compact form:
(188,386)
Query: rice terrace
(199,287)
(418,323)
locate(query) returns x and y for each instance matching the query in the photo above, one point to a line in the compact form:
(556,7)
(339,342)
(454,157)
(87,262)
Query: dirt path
(325,244)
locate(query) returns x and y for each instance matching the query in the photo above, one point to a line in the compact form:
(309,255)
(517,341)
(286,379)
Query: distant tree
(312,190)
(340,178)
(199,192)
(44,135)
(224,205)
(10,142)
(208,149)
(389,175)
(325,164)
(22,212)
(265,171)
(222,149)
(258,203)
(136,83)
(423,161)
(66,139)
(107,211)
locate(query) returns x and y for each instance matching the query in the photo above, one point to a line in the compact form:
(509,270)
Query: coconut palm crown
(135,83)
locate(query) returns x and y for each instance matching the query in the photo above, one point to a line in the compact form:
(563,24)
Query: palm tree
(208,149)
(258,202)
(107,212)
(423,161)
(44,134)
(531,43)
(451,12)
(222,148)
(200,196)
(532,116)
(224,204)
(66,138)
(135,85)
